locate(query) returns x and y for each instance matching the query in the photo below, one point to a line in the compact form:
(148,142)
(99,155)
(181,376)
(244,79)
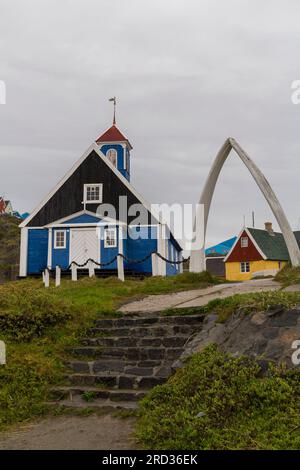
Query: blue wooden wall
(83,219)
(172,269)
(60,256)
(108,253)
(141,247)
(143,243)
(37,250)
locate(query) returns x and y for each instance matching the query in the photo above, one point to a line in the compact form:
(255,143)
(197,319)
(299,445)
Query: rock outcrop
(268,336)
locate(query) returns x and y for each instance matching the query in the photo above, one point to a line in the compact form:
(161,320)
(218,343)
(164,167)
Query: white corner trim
(23,252)
(49,259)
(162,249)
(122,178)
(121,242)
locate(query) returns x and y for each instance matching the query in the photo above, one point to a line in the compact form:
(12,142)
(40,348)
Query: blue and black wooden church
(66,226)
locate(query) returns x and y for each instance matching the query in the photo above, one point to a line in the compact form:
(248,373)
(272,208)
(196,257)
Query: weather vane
(114,99)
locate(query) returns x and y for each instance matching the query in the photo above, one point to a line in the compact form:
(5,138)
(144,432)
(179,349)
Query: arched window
(112,156)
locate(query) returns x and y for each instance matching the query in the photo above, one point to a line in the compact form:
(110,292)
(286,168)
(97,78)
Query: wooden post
(120,262)
(2,353)
(47,278)
(74,272)
(181,265)
(57,276)
(154,261)
(162,249)
(91,269)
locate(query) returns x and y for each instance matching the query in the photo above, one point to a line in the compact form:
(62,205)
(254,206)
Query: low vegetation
(220,402)
(288,276)
(9,247)
(252,302)
(39,324)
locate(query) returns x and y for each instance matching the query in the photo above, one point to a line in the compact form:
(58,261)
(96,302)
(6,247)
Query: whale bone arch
(197,260)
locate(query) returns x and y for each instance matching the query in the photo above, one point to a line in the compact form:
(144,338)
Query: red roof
(113,135)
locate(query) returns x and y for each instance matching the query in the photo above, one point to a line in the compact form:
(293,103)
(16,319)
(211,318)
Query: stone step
(138,353)
(142,354)
(144,331)
(137,342)
(90,394)
(109,365)
(145,321)
(86,352)
(101,404)
(121,381)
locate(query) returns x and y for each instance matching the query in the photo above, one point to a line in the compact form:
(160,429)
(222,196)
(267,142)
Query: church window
(112,156)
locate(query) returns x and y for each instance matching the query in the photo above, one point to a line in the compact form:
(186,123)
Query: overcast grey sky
(187,75)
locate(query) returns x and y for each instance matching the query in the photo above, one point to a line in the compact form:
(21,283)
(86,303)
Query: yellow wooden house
(257,252)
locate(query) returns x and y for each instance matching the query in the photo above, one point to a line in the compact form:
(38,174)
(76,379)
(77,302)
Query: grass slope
(38,325)
(9,247)
(238,408)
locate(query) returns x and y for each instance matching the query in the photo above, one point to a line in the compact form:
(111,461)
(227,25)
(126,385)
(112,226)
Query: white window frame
(85,191)
(244,242)
(243,267)
(64,246)
(114,230)
(115,154)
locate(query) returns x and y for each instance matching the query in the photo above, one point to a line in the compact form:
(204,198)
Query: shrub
(25,312)
(238,409)
(24,383)
(288,275)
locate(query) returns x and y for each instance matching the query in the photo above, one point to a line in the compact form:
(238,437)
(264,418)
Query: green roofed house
(257,252)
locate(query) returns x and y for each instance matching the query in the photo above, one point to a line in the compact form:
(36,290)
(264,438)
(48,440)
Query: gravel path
(198,297)
(72,433)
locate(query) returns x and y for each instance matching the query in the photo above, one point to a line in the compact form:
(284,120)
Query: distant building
(5,207)
(215,257)
(257,252)
(9,208)
(2,206)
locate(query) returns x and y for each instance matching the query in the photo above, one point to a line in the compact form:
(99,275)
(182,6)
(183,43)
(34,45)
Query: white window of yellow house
(244,242)
(110,238)
(112,156)
(60,239)
(92,193)
(245,267)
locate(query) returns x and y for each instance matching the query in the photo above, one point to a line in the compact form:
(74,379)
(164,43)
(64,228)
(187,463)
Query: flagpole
(114,121)
(114,100)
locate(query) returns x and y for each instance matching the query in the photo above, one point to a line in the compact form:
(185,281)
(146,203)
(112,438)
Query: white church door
(85,245)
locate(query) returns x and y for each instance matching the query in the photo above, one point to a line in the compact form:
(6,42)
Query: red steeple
(113,135)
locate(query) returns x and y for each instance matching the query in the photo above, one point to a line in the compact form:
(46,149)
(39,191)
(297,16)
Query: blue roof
(221,248)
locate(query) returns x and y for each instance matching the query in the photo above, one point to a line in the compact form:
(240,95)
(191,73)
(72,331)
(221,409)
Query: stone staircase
(123,358)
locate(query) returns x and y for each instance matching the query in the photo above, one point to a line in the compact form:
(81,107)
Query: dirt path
(72,433)
(198,297)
